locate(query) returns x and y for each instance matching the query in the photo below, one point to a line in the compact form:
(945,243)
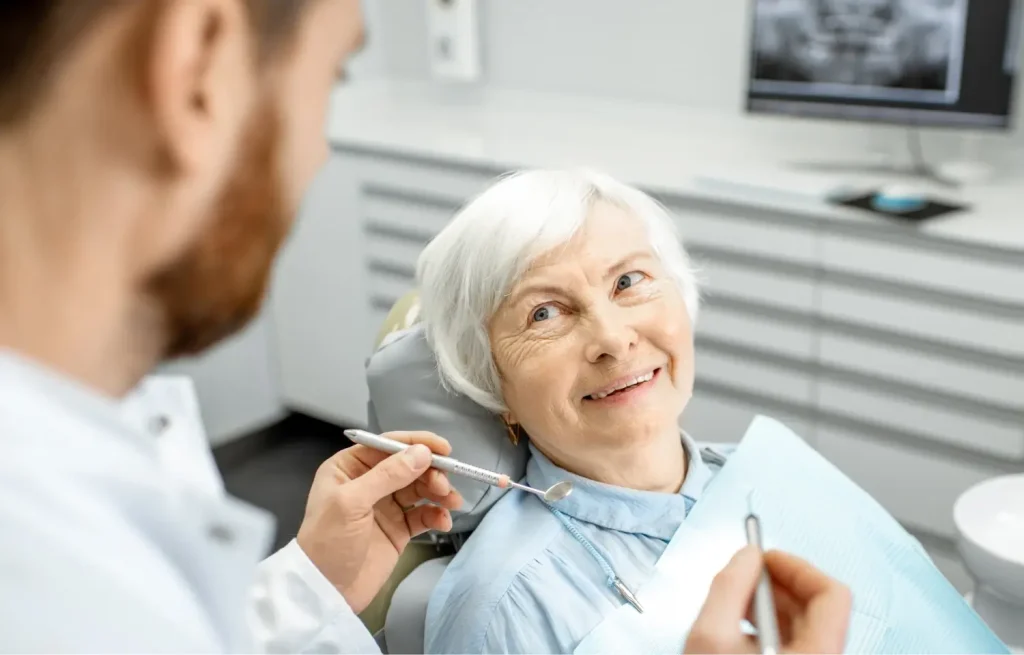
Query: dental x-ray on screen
(908,61)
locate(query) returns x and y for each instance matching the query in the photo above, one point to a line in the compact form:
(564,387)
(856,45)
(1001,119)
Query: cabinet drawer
(1001,437)
(917,264)
(917,487)
(931,371)
(397,253)
(763,238)
(970,329)
(756,284)
(454,184)
(402,217)
(386,288)
(751,330)
(741,373)
(715,418)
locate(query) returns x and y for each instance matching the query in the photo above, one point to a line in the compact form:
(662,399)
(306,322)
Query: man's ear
(201,80)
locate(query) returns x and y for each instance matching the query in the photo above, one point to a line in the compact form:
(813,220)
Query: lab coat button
(221,534)
(159,424)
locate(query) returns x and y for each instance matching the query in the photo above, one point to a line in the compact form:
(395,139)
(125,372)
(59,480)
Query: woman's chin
(633,434)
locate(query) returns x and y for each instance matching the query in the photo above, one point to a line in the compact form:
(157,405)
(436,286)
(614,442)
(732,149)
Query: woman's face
(595,315)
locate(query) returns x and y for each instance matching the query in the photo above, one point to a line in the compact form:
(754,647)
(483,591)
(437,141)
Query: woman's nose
(613,335)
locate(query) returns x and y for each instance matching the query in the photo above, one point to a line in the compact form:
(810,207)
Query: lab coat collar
(112,429)
(649,513)
(44,388)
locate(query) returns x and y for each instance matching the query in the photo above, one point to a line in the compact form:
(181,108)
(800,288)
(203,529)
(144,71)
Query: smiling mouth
(624,386)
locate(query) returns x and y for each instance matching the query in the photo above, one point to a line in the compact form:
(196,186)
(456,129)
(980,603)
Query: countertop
(689,153)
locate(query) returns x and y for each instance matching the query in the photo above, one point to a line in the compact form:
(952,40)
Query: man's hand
(813,609)
(362,511)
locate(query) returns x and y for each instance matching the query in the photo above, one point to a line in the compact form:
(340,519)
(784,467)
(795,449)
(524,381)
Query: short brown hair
(35,35)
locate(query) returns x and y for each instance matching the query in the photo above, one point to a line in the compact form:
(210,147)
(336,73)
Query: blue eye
(628,280)
(544,312)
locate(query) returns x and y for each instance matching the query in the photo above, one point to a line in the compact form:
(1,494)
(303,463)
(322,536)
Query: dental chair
(406,394)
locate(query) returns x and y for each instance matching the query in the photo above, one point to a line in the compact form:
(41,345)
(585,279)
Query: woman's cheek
(674,322)
(508,352)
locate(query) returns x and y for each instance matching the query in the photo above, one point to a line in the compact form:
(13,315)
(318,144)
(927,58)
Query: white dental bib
(901,602)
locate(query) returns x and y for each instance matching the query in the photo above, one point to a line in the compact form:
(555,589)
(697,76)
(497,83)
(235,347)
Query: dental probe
(554,493)
(764,600)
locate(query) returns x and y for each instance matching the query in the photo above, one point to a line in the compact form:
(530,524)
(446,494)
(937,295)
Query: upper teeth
(637,380)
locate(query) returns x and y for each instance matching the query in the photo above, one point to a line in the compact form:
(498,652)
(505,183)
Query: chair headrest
(406,394)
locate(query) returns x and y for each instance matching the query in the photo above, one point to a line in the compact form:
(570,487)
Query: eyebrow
(540,287)
(628,259)
(553,290)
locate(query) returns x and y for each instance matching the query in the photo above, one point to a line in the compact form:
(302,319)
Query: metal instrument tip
(627,595)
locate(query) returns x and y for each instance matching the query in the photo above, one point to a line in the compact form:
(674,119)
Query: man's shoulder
(73,563)
(69,519)
(487,572)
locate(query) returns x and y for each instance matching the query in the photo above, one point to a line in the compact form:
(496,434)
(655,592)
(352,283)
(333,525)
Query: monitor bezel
(749,97)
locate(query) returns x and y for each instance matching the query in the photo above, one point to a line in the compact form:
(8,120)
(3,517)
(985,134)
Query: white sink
(990,520)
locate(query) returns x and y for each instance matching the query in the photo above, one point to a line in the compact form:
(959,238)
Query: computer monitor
(928,63)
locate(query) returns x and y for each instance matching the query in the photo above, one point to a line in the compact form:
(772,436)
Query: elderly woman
(565,303)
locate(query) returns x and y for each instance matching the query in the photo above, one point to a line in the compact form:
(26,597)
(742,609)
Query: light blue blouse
(523,583)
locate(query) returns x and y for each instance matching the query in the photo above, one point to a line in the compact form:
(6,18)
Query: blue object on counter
(897,199)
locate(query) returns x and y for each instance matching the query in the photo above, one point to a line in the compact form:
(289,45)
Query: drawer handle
(411,197)
(380,229)
(391,269)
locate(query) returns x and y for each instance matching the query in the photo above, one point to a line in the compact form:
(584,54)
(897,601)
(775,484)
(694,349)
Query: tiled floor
(274,468)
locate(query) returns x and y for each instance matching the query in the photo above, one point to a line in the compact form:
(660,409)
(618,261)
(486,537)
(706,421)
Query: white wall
(687,52)
(691,53)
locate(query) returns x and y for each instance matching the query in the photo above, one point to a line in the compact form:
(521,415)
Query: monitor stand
(913,170)
(952,174)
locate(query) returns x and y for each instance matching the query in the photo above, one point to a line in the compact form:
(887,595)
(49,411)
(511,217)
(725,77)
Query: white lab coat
(116,534)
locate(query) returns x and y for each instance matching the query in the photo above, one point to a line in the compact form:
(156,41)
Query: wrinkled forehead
(607,235)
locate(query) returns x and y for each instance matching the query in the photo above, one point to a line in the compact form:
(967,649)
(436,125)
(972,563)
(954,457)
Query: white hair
(469,268)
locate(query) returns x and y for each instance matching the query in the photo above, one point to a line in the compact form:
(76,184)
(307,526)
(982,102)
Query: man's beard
(218,285)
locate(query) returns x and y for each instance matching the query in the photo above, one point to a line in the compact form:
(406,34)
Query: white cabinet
(920,390)
(755,339)
(737,230)
(759,378)
(933,266)
(999,435)
(991,381)
(714,416)
(319,302)
(397,225)
(918,487)
(942,321)
(745,328)
(755,282)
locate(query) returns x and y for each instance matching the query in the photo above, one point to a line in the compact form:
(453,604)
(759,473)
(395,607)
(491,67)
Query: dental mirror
(558,491)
